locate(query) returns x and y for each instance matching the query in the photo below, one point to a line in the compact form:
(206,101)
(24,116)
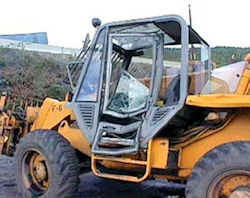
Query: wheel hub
(36,172)
(232,185)
(241,193)
(235,184)
(40,171)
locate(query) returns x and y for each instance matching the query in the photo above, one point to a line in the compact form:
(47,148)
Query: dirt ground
(94,187)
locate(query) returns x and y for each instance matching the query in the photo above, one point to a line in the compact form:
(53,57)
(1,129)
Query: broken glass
(130,96)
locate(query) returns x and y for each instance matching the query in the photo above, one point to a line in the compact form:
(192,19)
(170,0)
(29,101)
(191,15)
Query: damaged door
(131,64)
(133,109)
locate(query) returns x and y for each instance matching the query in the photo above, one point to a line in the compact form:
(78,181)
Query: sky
(219,22)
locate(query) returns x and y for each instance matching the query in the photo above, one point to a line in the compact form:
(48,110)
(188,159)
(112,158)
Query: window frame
(109,71)
(87,67)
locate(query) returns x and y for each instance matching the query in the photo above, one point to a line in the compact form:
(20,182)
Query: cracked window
(131,95)
(130,78)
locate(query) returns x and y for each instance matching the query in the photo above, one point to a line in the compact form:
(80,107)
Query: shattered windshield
(131,95)
(130,72)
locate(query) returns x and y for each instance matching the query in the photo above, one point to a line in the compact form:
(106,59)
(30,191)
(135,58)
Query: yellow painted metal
(241,98)
(121,160)
(1,143)
(247,58)
(3,100)
(236,130)
(148,163)
(55,115)
(4,121)
(244,82)
(160,103)
(159,158)
(32,113)
(219,100)
(51,114)
(75,137)
(160,148)
(123,166)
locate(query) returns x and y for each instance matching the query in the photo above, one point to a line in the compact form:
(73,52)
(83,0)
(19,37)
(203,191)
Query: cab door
(86,100)
(130,71)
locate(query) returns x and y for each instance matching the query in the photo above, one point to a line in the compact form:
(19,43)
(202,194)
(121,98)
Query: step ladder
(115,139)
(95,159)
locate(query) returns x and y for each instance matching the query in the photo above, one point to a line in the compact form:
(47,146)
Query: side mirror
(96,22)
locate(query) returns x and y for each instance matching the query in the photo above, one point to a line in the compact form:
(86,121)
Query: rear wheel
(46,166)
(222,173)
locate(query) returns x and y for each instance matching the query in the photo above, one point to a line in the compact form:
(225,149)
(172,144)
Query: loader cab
(134,80)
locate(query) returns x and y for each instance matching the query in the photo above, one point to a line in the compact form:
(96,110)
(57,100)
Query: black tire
(60,160)
(222,162)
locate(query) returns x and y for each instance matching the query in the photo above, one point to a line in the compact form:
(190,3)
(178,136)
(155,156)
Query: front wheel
(222,173)
(46,166)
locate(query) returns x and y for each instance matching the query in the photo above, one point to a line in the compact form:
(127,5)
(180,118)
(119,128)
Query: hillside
(33,74)
(220,55)
(223,55)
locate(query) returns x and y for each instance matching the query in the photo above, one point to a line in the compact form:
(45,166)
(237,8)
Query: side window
(90,84)
(198,67)
(170,84)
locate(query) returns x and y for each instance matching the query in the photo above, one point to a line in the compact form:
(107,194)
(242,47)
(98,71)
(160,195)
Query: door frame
(109,72)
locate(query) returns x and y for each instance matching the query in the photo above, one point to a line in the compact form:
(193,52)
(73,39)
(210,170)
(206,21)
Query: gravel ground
(94,187)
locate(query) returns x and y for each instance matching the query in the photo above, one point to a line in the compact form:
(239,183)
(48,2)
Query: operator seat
(173,90)
(186,116)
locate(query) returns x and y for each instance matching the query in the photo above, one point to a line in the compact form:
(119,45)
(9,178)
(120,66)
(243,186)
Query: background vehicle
(135,114)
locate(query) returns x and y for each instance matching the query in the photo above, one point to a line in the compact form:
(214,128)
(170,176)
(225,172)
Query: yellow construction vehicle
(17,115)
(135,113)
